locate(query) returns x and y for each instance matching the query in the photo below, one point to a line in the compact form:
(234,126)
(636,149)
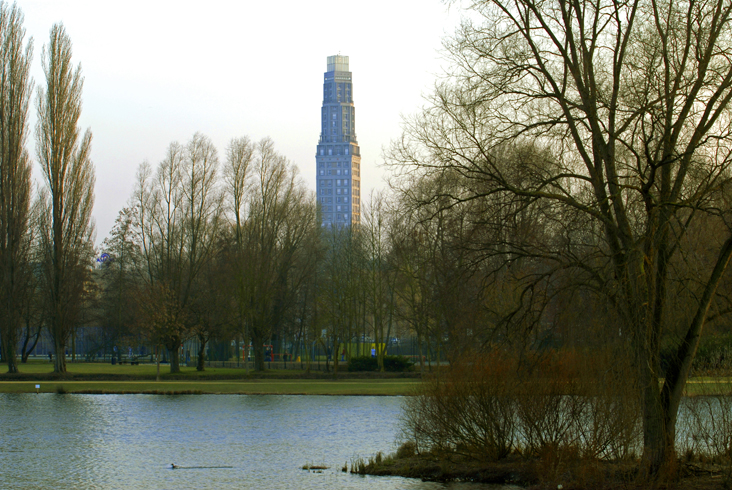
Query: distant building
(338,157)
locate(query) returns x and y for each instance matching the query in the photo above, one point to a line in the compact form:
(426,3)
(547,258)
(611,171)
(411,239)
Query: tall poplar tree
(69,190)
(15,178)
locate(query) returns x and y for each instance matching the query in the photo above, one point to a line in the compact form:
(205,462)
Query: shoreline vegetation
(568,421)
(549,471)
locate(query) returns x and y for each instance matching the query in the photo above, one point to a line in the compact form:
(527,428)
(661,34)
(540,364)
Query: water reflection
(114,441)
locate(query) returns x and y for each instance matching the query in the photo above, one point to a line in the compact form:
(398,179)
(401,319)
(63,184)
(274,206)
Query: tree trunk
(73,344)
(59,348)
(10,356)
(308,359)
(429,355)
(258,348)
(336,346)
(200,363)
(661,416)
(421,354)
(656,449)
(26,351)
(175,359)
(246,354)
(9,342)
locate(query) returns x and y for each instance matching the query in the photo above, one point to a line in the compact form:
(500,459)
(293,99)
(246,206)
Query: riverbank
(84,377)
(546,473)
(372,387)
(105,378)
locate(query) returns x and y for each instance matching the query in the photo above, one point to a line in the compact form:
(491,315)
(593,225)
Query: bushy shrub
(468,411)
(391,363)
(564,403)
(397,364)
(363,363)
(713,356)
(406,450)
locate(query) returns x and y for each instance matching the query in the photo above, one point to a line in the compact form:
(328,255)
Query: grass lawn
(212,380)
(397,386)
(709,386)
(269,382)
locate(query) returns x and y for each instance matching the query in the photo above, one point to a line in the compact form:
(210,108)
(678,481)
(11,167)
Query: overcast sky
(158,71)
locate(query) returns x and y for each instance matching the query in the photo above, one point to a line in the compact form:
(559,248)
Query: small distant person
(50,357)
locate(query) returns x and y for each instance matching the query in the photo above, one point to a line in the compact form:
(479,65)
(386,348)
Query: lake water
(50,441)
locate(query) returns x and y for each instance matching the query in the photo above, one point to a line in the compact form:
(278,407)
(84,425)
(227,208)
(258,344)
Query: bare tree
(305,320)
(280,218)
(239,157)
(68,174)
(414,245)
(178,211)
(119,281)
(380,274)
(34,304)
(339,289)
(15,179)
(609,122)
(213,304)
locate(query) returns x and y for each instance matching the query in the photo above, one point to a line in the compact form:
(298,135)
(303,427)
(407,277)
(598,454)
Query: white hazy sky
(158,71)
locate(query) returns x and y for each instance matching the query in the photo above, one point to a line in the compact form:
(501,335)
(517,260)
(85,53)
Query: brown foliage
(568,404)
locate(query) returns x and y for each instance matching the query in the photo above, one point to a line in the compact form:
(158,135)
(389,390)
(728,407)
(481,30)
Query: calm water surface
(129,441)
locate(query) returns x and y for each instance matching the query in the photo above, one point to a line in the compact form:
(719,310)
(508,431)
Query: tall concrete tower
(338,157)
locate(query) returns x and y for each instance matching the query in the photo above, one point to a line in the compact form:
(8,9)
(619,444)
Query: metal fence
(90,346)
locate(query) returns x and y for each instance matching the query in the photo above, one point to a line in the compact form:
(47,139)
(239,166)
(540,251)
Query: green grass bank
(390,387)
(106,378)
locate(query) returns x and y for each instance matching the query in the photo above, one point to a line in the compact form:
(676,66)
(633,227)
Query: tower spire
(338,157)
